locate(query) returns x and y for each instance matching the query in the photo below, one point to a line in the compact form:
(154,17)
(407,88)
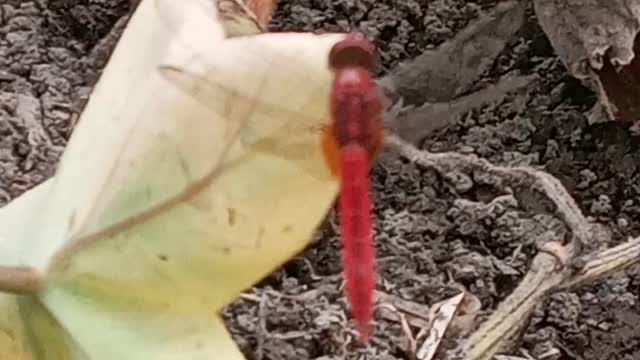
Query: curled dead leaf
(444,312)
(263,10)
(245,17)
(597,41)
(621,87)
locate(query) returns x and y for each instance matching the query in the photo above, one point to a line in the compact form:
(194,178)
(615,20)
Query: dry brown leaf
(596,40)
(441,321)
(245,17)
(263,9)
(622,88)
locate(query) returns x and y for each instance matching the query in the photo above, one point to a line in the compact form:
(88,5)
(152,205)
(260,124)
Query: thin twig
(262,326)
(20,280)
(551,269)
(605,263)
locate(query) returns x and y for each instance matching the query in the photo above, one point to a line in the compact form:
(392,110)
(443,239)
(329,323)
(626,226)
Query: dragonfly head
(353,51)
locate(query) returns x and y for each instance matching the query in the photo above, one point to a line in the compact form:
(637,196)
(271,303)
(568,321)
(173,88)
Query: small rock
(622,222)
(602,205)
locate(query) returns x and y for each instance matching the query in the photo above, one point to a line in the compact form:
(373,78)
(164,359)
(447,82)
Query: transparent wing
(287,83)
(263,94)
(171,235)
(259,124)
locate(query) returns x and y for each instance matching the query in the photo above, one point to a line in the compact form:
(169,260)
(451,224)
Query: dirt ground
(428,244)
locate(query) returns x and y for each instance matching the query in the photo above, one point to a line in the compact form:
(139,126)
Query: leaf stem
(19,280)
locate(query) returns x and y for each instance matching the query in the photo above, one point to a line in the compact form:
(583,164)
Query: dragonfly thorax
(354,106)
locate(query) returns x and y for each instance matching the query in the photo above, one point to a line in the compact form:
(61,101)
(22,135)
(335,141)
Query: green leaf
(177,191)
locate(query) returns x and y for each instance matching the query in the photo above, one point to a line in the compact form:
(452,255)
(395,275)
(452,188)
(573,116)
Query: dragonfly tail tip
(364,331)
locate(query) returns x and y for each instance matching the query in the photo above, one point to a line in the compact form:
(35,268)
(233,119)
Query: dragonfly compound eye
(353,50)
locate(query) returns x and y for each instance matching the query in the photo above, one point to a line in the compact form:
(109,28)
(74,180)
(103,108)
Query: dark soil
(429,243)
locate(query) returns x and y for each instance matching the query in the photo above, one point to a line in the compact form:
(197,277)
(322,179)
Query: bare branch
(556,267)
(19,280)
(605,263)
(517,178)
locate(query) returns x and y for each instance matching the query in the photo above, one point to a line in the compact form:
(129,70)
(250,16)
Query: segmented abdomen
(356,234)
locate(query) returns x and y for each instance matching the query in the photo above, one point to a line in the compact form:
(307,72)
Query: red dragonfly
(349,144)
